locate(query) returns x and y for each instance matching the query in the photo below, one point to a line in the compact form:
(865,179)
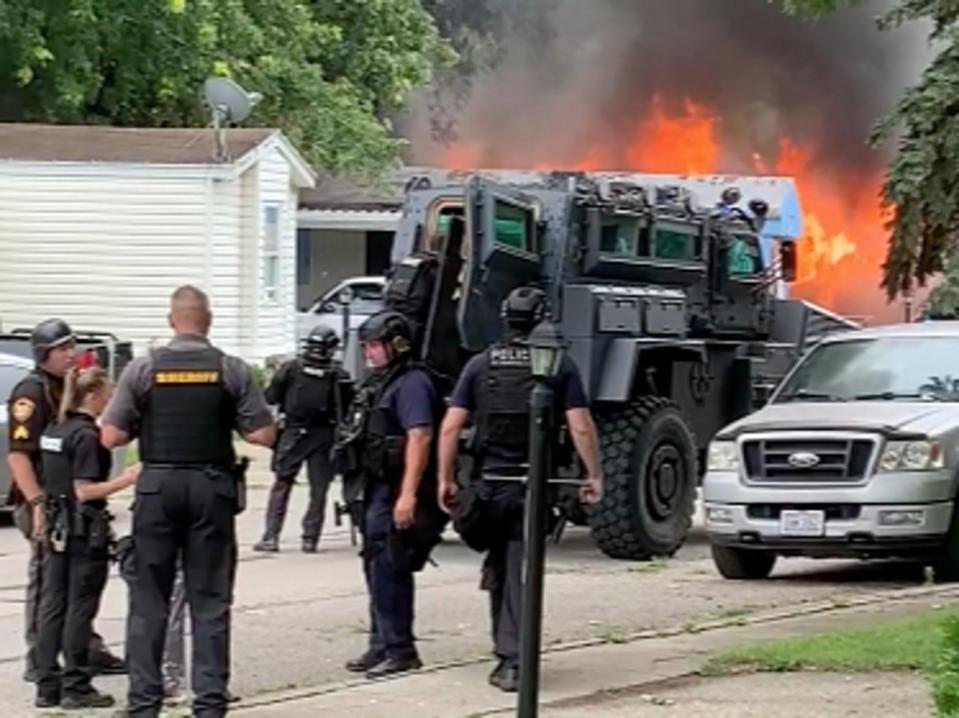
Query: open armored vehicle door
(504,252)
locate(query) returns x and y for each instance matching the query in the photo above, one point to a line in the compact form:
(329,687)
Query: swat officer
(494,389)
(396,411)
(184,402)
(312,393)
(31,407)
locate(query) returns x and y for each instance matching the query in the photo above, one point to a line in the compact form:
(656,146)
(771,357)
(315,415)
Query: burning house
(699,87)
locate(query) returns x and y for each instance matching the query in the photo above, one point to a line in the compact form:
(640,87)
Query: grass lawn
(914,643)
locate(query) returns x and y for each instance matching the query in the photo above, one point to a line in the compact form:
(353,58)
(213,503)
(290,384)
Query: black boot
(267,545)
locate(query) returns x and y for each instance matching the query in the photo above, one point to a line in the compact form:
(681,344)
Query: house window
(271,252)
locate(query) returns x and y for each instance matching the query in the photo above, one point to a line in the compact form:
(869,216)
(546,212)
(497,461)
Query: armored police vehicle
(667,292)
(855,456)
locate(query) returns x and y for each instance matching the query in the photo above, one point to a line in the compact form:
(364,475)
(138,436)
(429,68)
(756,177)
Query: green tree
(329,70)
(922,184)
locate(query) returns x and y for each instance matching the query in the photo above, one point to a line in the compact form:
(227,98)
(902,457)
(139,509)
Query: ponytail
(77,385)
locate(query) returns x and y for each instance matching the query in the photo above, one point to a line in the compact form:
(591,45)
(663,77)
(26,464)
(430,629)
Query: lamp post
(345,298)
(546,355)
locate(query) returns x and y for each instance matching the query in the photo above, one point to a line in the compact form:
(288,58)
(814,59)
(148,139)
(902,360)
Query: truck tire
(739,563)
(945,564)
(650,475)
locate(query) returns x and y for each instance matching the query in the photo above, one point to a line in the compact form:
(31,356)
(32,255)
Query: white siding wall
(104,246)
(275,319)
(102,249)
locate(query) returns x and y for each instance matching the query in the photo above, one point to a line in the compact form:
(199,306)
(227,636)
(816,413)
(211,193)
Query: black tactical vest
(55,444)
(309,399)
(385,445)
(189,414)
(502,398)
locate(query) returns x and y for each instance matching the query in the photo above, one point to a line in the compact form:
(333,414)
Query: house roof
(36,143)
(336,193)
(76,143)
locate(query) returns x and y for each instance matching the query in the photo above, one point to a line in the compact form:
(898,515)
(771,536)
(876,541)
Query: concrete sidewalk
(591,673)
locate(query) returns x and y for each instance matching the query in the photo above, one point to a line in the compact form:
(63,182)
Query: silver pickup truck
(856,455)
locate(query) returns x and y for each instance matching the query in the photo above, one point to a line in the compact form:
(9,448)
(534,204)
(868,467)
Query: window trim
(270,293)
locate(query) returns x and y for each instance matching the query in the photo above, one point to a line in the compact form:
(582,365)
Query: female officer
(76,469)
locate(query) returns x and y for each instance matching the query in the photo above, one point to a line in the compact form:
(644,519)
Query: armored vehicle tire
(740,563)
(945,564)
(650,475)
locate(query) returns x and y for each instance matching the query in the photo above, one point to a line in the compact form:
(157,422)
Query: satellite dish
(228,100)
(230,104)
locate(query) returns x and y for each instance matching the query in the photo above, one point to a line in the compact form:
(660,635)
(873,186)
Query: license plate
(802,523)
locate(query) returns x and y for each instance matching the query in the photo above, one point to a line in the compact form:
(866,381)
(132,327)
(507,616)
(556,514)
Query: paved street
(299,617)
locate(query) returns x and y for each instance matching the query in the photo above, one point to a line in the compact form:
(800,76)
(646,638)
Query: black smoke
(590,79)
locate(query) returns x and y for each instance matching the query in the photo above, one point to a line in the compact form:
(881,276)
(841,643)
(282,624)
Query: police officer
(76,468)
(397,412)
(494,390)
(312,393)
(32,405)
(184,402)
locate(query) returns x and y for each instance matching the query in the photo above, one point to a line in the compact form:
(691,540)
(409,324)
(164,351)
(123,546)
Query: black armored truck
(667,292)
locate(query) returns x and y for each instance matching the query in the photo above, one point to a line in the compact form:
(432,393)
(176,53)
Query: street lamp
(345,297)
(546,356)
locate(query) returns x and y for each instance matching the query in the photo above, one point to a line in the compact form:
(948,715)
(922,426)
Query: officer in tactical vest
(184,402)
(312,393)
(31,407)
(76,469)
(389,433)
(494,390)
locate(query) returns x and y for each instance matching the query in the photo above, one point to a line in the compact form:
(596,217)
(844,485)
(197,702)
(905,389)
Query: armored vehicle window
(443,214)
(743,256)
(512,227)
(671,244)
(620,237)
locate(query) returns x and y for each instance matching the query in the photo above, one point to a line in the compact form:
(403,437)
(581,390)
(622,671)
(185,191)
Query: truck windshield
(880,369)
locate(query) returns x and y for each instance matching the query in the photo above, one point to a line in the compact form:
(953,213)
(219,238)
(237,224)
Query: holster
(96,527)
(239,477)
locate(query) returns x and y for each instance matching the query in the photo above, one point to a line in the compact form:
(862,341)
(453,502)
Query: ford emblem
(803,460)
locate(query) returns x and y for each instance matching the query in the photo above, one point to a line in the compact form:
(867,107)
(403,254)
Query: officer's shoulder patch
(22,409)
(21,433)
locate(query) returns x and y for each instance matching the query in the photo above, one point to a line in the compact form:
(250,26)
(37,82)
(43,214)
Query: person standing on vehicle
(184,402)
(76,471)
(31,407)
(494,390)
(312,392)
(393,419)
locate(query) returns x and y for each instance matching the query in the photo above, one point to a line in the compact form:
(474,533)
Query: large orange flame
(843,246)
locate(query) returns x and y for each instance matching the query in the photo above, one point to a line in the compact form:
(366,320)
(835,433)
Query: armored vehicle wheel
(738,563)
(649,471)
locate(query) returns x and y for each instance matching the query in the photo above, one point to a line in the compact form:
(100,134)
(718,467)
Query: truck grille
(807,461)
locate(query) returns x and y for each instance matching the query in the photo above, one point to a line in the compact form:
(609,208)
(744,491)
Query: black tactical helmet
(524,308)
(391,328)
(320,343)
(48,335)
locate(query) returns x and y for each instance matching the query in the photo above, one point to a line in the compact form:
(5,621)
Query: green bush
(945,683)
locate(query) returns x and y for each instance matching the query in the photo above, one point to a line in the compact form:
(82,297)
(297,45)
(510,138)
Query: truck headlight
(723,456)
(912,456)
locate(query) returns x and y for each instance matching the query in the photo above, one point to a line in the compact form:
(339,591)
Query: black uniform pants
(296,447)
(31,613)
(73,583)
(190,511)
(390,583)
(503,567)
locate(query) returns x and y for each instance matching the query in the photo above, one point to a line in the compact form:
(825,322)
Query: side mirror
(788,261)
(328,308)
